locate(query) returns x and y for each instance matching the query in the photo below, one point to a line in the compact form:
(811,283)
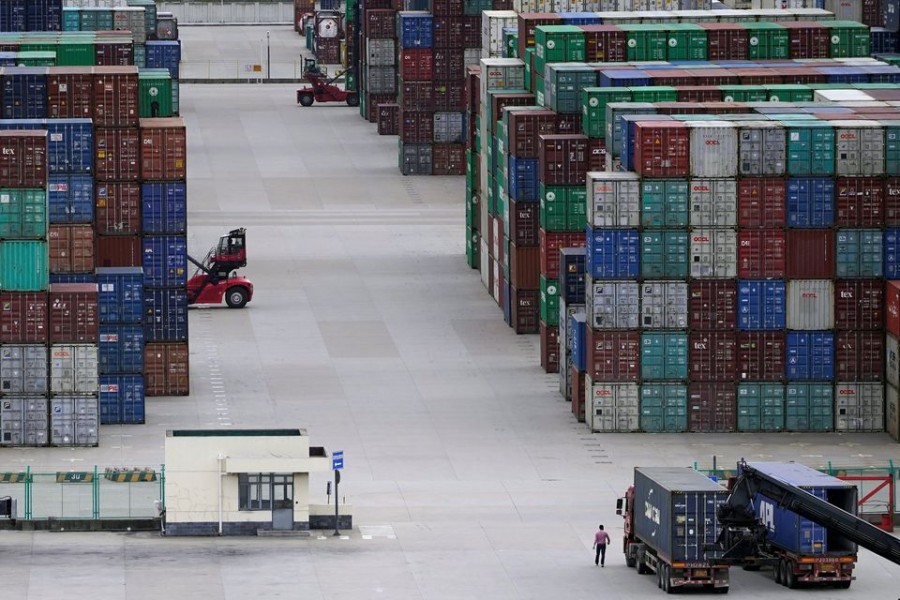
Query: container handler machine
(216,275)
(323,88)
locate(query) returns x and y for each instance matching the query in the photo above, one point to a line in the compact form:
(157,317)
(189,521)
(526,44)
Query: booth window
(255,491)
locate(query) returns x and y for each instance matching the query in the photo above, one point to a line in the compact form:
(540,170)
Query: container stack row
(377,60)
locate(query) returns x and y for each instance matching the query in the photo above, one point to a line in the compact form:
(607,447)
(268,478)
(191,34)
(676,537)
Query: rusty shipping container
(807,39)
(525,309)
(23,317)
(448,159)
(417,96)
(70,93)
(524,218)
(117,154)
(859,304)
(563,159)
(388,119)
(713,355)
(71,248)
(166,369)
(579,384)
(525,128)
(549,342)
(416,127)
(163,146)
(527,22)
(23,159)
(604,43)
(613,355)
(761,253)
(524,266)
(892,307)
(448,64)
(726,41)
(550,245)
(117,208)
(761,355)
(810,254)
(119,251)
(712,407)
(662,149)
(115,96)
(859,356)
(712,304)
(74,313)
(381,23)
(416,64)
(859,202)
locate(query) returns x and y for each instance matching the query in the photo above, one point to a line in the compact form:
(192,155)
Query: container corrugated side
(24,266)
(74,421)
(73,368)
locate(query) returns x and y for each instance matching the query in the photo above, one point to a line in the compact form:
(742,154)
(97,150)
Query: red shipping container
(117,208)
(810,254)
(613,355)
(578,388)
(447,31)
(23,318)
(416,127)
(808,39)
(524,220)
(70,93)
(550,244)
(698,93)
(859,202)
(23,159)
(163,149)
(527,22)
(563,159)
(417,64)
(662,149)
(596,154)
(568,124)
(524,266)
(549,348)
(117,154)
(713,356)
(442,8)
(802,75)
(71,248)
(859,304)
(712,407)
(670,77)
(473,88)
(761,355)
(872,13)
(119,251)
(417,96)
(449,96)
(761,202)
(757,76)
(448,159)
(372,102)
(892,307)
(166,369)
(603,43)
(525,128)
(115,96)
(525,309)
(74,313)
(680,108)
(761,253)
(859,356)
(502,5)
(726,108)
(726,41)
(712,304)
(501,101)
(108,53)
(448,64)
(472,31)
(328,51)
(714,77)
(388,119)
(381,23)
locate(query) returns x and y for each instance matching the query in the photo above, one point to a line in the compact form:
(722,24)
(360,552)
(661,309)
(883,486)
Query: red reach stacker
(216,276)
(323,89)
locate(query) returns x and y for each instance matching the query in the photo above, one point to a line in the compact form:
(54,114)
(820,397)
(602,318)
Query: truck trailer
(670,518)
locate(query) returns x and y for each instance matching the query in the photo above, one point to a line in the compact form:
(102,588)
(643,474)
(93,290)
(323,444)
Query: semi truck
(671,518)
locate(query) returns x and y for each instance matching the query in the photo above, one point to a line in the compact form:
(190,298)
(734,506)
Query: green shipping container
(848,39)
(646,42)
(472,244)
(744,93)
(687,41)
(553,207)
(155,93)
(664,203)
(24,265)
(809,407)
(549,300)
(71,18)
(140,55)
(664,356)
(767,41)
(36,58)
(664,253)
(664,407)
(350,83)
(892,147)
(23,214)
(761,407)
(576,209)
(558,43)
(75,53)
(593,108)
(810,147)
(510,43)
(789,92)
(653,93)
(858,253)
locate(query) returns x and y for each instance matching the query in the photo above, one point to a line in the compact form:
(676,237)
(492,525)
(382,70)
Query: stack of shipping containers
(416,66)
(31,15)
(377,57)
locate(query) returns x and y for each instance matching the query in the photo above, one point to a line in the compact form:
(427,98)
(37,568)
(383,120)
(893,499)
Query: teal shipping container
(664,356)
(665,253)
(809,407)
(789,92)
(23,214)
(664,203)
(859,253)
(593,108)
(761,407)
(664,407)
(563,85)
(24,266)
(810,148)
(891,147)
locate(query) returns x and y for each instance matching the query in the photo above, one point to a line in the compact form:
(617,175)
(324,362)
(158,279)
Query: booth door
(282,502)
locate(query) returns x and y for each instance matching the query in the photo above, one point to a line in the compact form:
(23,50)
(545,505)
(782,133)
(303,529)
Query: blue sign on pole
(337,460)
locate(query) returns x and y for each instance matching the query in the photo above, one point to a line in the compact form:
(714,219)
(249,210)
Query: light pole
(268,58)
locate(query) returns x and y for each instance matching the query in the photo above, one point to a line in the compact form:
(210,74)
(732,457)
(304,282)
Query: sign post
(337,463)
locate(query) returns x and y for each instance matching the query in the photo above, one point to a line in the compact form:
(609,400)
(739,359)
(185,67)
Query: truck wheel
(641,566)
(790,580)
(844,585)
(659,580)
(306,99)
(722,590)
(777,570)
(353,99)
(236,297)
(667,580)
(630,561)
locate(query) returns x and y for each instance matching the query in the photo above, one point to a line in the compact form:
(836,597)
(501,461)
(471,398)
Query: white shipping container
(484,258)
(612,304)
(713,202)
(713,252)
(493,22)
(449,128)
(501,74)
(810,304)
(495,288)
(859,407)
(714,148)
(23,369)
(605,400)
(381,53)
(614,199)
(73,368)
(23,421)
(75,421)
(859,148)
(471,56)
(892,412)
(892,360)
(762,149)
(844,10)
(664,304)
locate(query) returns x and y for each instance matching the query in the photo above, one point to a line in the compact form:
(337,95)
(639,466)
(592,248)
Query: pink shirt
(601,538)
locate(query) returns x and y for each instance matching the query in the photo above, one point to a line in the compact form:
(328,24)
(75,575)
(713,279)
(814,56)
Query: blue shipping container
(810,202)
(523,179)
(578,328)
(580,18)
(164,207)
(165,261)
(883,41)
(883,74)
(121,348)
(844,74)
(892,253)
(73,278)
(571,275)
(165,315)
(761,305)
(70,142)
(71,199)
(164,54)
(43,15)
(624,78)
(613,253)
(121,294)
(24,92)
(13,15)
(414,29)
(810,355)
(121,399)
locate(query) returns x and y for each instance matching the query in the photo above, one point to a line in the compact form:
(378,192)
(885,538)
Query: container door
(282,502)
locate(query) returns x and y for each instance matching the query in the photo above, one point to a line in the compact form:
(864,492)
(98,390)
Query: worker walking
(601,539)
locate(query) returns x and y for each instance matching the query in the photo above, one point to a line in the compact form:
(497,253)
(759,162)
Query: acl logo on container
(651,512)
(767,514)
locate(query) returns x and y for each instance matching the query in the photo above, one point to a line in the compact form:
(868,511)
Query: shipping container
(73,314)
(24,92)
(23,369)
(713,202)
(549,347)
(810,148)
(612,355)
(70,142)
(165,314)
(73,368)
(661,149)
(761,305)
(761,355)
(664,305)
(613,253)
(165,261)
(612,305)
(860,149)
(23,317)
(611,406)
(714,148)
(761,253)
(664,356)
(115,97)
(859,355)
(74,421)
(71,248)
(858,253)
(664,203)
(713,355)
(524,266)
(762,150)
(892,412)
(713,252)
(117,154)
(664,253)
(71,199)
(23,421)
(810,254)
(120,348)
(23,214)
(809,407)
(119,251)
(712,407)
(525,310)
(414,29)
(810,202)
(163,154)
(712,304)
(615,200)
(859,202)
(118,209)
(859,305)
(70,93)
(122,399)
(859,407)
(760,407)
(663,407)
(810,304)
(23,266)
(23,159)
(563,159)
(164,207)
(892,307)
(810,355)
